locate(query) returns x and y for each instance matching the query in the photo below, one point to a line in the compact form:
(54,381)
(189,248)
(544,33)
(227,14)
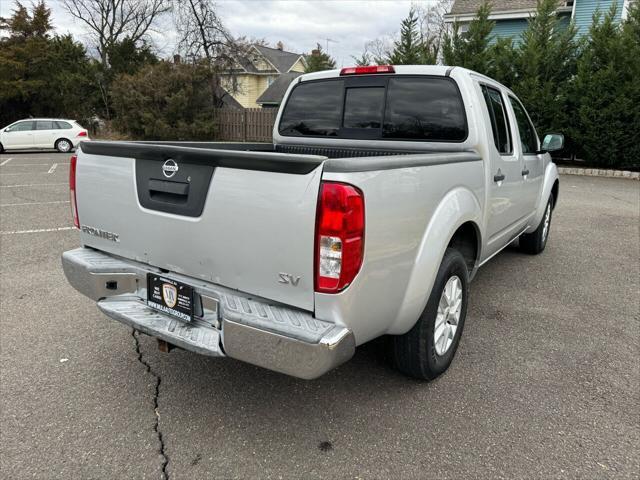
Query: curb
(597,172)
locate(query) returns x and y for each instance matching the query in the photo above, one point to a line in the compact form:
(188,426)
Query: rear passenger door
(44,136)
(532,162)
(505,208)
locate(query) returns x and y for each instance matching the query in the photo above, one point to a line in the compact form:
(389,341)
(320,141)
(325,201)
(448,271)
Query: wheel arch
(550,185)
(456,221)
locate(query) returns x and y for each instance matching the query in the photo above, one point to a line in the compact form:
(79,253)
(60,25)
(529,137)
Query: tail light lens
(83,133)
(72,190)
(339,236)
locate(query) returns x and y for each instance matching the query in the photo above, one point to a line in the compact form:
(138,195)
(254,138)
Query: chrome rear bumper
(230,323)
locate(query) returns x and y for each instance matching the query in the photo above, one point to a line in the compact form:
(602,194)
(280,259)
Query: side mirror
(552,142)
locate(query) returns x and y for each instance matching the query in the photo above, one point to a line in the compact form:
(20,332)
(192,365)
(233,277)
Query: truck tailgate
(237,219)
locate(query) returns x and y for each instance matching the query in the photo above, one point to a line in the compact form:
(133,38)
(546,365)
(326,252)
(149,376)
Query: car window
(424,109)
(499,119)
(63,125)
(21,127)
(313,109)
(413,108)
(528,136)
(45,125)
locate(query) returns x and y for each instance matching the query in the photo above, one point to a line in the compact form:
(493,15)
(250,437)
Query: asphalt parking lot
(546,383)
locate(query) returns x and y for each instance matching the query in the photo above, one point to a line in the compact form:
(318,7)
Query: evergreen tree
(471,49)
(606,92)
(319,60)
(363,60)
(545,64)
(412,48)
(41,74)
(408,49)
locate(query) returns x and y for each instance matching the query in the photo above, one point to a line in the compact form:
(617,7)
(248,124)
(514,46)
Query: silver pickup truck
(383,192)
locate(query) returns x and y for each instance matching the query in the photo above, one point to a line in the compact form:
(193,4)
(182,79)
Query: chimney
(315,52)
(176,59)
(280,46)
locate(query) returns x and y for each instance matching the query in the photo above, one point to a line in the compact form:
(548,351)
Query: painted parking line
(24,164)
(3,163)
(34,185)
(23,173)
(53,168)
(32,203)
(39,230)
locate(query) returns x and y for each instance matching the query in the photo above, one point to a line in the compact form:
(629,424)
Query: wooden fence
(245,125)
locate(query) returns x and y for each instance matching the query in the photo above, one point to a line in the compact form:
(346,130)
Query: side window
(63,125)
(499,119)
(528,136)
(21,127)
(44,125)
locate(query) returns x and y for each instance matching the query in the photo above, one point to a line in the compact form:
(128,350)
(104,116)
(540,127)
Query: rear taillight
(83,133)
(339,236)
(72,190)
(367,70)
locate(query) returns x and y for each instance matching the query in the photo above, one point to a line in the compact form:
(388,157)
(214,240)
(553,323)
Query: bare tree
(431,23)
(203,39)
(201,33)
(110,21)
(379,50)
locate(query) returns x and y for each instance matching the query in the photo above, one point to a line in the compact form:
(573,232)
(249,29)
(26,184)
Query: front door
(19,135)
(533,163)
(505,182)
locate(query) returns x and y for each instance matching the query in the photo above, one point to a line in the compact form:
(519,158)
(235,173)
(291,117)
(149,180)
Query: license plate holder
(169,296)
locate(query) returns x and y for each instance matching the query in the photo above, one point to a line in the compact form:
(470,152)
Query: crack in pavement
(156,427)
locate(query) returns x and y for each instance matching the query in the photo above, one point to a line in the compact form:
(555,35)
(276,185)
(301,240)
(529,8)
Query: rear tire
(1,148)
(64,146)
(533,243)
(427,350)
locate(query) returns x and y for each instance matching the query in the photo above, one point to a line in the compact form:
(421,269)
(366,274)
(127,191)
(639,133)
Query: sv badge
(287,278)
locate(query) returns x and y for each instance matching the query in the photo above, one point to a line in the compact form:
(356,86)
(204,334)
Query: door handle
(525,172)
(499,177)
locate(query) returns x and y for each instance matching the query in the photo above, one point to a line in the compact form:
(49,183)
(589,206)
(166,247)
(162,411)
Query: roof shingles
(471,6)
(281,60)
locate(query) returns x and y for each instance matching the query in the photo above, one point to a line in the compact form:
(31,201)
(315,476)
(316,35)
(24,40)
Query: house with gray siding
(511,16)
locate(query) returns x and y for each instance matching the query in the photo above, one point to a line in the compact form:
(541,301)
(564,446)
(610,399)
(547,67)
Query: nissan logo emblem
(169,168)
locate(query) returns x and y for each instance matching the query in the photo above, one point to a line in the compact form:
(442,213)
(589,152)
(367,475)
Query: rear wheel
(63,145)
(427,350)
(534,242)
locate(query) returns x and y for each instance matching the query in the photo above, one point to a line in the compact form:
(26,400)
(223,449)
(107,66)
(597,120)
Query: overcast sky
(298,24)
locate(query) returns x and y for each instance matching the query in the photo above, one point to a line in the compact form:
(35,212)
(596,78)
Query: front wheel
(63,145)
(427,350)
(534,242)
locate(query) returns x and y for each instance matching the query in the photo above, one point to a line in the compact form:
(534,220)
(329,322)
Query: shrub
(165,102)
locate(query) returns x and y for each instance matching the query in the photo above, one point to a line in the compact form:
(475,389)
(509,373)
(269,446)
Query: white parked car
(42,133)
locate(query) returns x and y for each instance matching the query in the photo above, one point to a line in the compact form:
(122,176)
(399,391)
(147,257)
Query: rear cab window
(415,108)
